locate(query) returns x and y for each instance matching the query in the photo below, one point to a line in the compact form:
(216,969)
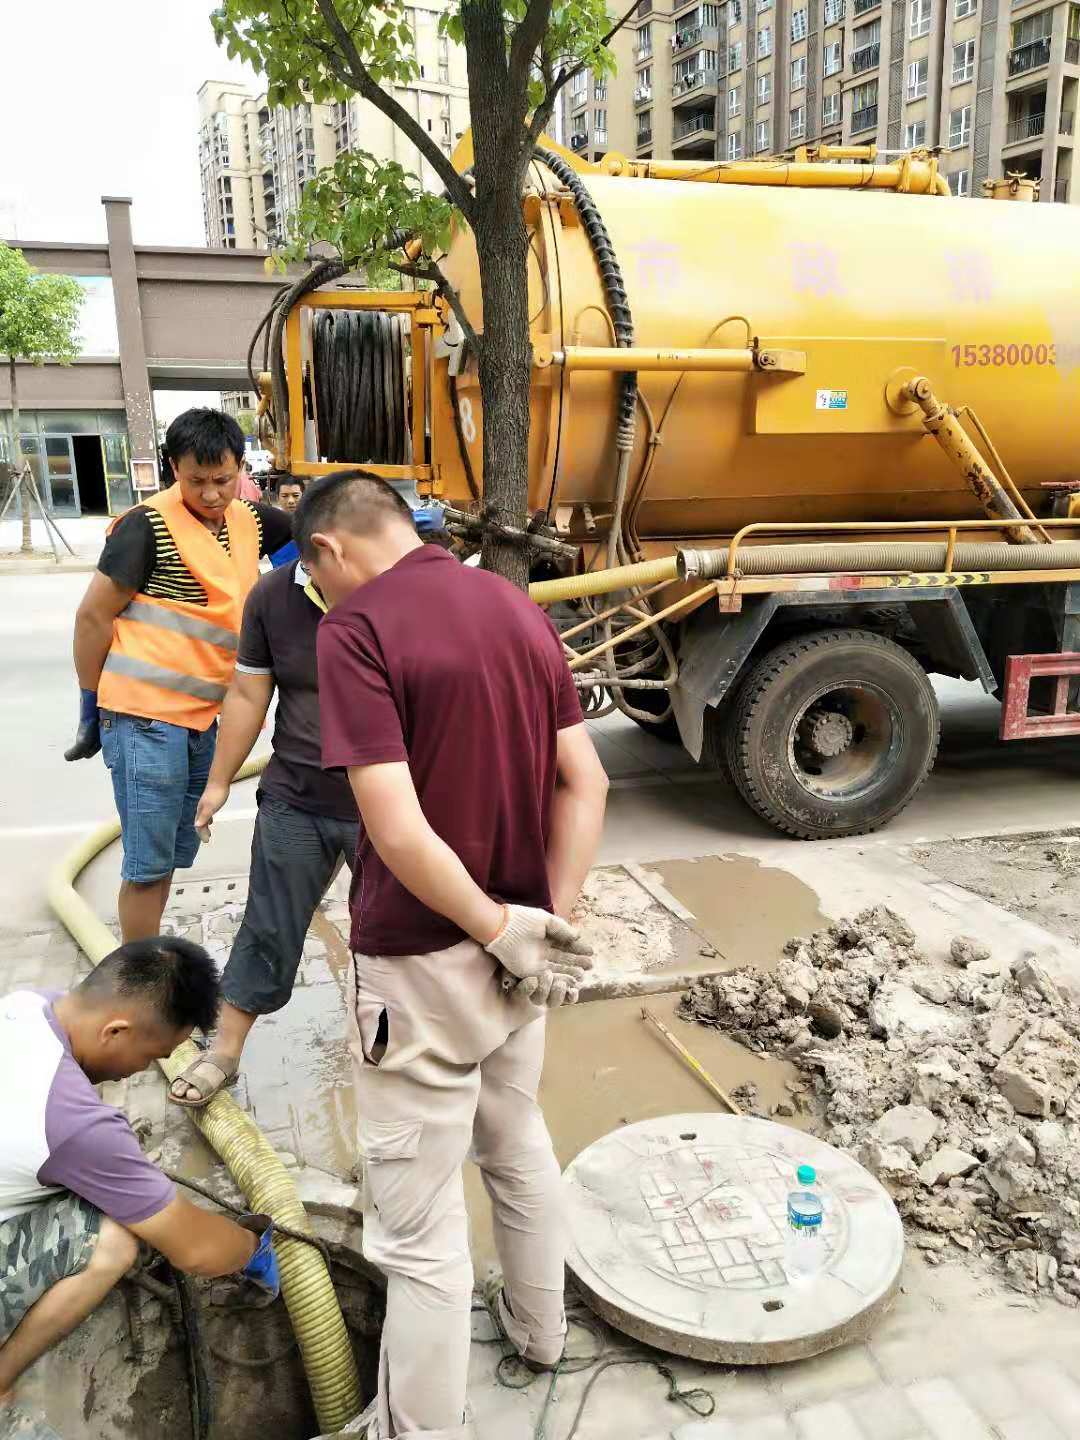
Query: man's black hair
(176,977)
(282,477)
(353,499)
(206,434)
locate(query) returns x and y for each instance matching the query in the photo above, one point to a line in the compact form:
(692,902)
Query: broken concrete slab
(897,1012)
(911,1127)
(947,1164)
(965,949)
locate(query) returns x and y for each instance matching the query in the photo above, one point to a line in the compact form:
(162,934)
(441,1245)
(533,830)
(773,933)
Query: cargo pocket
(393,1183)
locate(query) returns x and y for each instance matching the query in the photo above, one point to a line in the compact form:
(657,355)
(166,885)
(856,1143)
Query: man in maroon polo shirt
(445,694)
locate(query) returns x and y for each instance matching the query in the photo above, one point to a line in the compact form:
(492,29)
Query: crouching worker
(76,1192)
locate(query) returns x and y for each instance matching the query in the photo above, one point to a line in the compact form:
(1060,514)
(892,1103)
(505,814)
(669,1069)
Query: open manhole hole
(677,1238)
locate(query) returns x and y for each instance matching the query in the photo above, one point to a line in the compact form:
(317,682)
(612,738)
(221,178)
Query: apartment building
(991,83)
(598,110)
(255,159)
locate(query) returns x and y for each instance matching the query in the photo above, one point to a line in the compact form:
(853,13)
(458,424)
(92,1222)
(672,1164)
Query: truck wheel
(832,733)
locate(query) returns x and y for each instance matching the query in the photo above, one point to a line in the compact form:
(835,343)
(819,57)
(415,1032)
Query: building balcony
(694,87)
(864,119)
(644,137)
(579,141)
(693,36)
(1029,57)
(1030,127)
(861,7)
(866,58)
(642,96)
(1065,124)
(701,126)
(1061,190)
(1072,52)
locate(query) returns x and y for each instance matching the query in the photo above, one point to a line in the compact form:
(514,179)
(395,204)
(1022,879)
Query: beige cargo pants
(458,1079)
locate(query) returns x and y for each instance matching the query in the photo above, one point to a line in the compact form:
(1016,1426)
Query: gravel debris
(958,1087)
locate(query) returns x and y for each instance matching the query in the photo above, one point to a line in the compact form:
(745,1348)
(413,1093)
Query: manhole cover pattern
(678,1228)
(719,1216)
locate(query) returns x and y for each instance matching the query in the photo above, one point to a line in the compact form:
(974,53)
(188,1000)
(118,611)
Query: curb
(46,567)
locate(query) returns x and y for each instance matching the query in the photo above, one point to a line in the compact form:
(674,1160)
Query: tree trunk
(502,248)
(17,458)
(505,376)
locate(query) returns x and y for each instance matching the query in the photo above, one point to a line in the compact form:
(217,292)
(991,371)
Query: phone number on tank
(1065,356)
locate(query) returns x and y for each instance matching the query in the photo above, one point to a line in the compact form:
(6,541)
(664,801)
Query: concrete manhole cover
(677,1230)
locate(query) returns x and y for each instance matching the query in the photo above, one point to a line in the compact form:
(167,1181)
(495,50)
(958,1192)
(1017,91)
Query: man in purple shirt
(76,1192)
(445,695)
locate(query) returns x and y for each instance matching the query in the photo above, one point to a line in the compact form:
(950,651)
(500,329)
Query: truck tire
(832,734)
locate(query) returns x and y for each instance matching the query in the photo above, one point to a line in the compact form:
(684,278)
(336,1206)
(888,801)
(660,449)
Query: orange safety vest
(171,660)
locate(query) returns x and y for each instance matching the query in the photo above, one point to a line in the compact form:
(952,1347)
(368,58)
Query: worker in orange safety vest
(155,647)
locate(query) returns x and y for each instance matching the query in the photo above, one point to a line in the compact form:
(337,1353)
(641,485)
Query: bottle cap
(806,1175)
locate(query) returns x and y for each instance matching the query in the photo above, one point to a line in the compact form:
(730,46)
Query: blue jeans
(159,772)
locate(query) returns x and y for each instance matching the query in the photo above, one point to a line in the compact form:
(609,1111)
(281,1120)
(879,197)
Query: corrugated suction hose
(306,1285)
(885,556)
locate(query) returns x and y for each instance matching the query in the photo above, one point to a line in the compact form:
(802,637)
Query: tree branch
(545,109)
(433,271)
(527,39)
(355,73)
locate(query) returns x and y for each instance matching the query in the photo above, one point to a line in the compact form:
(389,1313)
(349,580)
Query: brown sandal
(219,1071)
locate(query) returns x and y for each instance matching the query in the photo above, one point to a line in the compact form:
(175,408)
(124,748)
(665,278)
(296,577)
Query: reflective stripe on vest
(188,625)
(168,679)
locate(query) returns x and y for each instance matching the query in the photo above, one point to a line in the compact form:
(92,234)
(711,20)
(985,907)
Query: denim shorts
(159,772)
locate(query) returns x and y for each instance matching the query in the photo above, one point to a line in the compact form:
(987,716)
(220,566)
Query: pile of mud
(959,1088)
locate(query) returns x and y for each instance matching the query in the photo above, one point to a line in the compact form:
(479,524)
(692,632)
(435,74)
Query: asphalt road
(661,807)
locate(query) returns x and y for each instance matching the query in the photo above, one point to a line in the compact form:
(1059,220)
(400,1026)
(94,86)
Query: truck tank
(873,288)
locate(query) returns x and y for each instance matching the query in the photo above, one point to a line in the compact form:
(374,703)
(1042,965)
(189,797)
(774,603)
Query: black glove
(88,735)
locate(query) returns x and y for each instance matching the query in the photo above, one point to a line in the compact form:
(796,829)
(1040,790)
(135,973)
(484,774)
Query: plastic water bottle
(804,1253)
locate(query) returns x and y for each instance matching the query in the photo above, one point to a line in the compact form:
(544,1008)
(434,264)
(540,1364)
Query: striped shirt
(140,554)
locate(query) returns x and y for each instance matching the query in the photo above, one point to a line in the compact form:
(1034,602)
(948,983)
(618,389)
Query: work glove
(262,1268)
(548,990)
(88,735)
(532,942)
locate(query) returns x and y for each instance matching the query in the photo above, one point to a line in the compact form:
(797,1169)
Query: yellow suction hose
(305,1281)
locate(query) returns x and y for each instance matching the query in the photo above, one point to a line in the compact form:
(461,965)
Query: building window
(798,72)
(798,24)
(864,107)
(960,183)
(964,7)
(734,100)
(734,12)
(960,127)
(797,123)
(963,61)
(763,5)
(643,92)
(644,41)
(579,87)
(761,137)
(915,135)
(918,18)
(644,127)
(830,109)
(764,89)
(735,57)
(599,91)
(834,57)
(834,11)
(734,147)
(916,78)
(764,42)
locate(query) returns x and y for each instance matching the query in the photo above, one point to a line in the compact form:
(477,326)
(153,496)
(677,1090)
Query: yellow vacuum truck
(803,433)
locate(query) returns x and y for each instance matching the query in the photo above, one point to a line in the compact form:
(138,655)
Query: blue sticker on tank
(831,400)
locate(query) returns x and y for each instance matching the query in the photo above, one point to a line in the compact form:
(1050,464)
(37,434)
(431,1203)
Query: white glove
(547,989)
(532,942)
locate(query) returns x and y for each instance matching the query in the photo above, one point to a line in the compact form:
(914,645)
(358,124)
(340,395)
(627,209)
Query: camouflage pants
(39,1249)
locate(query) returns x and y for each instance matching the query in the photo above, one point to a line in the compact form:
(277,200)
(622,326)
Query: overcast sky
(100,99)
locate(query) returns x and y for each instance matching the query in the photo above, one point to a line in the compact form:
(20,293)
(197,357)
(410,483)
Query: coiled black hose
(359,374)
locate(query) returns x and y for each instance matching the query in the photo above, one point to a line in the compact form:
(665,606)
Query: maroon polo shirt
(457,672)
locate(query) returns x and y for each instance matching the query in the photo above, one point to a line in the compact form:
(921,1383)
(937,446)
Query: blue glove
(88,735)
(262,1268)
(428,519)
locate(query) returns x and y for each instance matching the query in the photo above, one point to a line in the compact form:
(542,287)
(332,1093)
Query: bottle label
(800,1220)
